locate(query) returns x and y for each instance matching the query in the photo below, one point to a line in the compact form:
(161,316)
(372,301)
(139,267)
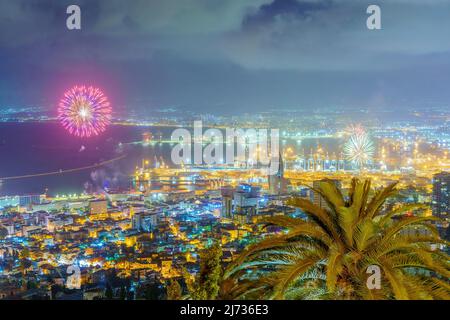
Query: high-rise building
(28,200)
(227,201)
(240,203)
(317,198)
(277,182)
(441,195)
(246,201)
(144,221)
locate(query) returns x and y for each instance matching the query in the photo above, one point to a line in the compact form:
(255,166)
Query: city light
(217,151)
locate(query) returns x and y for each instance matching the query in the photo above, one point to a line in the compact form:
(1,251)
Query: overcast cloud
(219,55)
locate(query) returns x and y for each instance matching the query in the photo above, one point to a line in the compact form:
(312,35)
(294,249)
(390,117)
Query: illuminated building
(227,202)
(98,206)
(9,201)
(246,202)
(144,221)
(25,201)
(277,182)
(441,194)
(317,198)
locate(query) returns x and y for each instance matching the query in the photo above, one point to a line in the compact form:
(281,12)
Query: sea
(30,149)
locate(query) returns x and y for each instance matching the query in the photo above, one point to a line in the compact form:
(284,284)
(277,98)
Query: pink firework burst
(84,111)
(356,129)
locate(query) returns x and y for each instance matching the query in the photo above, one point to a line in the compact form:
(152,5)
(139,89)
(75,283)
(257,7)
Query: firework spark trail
(359,149)
(356,129)
(84,111)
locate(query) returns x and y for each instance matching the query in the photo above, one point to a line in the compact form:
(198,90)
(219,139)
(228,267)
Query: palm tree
(328,255)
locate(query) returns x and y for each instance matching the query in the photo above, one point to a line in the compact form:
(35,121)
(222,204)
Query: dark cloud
(215,55)
(268,13)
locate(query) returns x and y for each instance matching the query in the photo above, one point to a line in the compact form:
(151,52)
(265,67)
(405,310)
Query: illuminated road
(101,164)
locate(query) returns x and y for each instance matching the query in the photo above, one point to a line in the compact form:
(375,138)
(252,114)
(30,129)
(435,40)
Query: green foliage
(24,254)
(24,257)
(174,291)
(327,255)
(109,292)
(206,285)
(153,292)
(122,293)
(3,232)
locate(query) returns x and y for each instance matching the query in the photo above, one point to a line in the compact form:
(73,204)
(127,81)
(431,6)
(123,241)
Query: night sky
(225,56)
